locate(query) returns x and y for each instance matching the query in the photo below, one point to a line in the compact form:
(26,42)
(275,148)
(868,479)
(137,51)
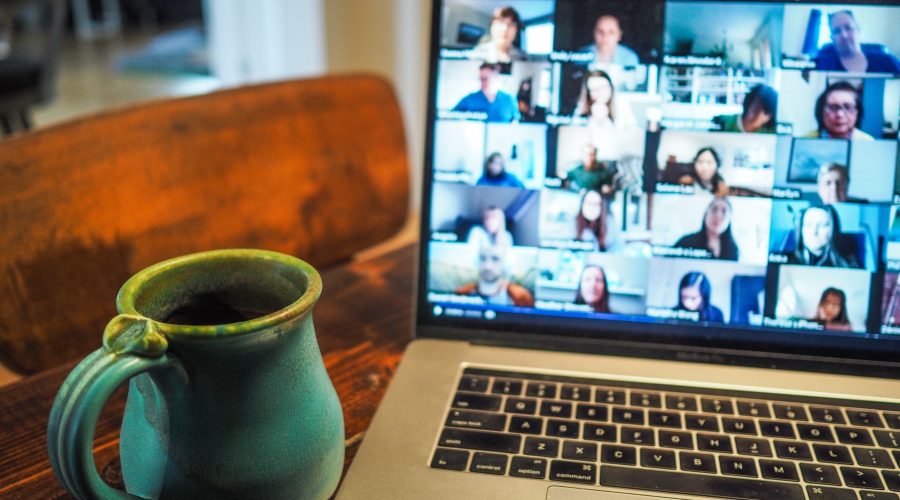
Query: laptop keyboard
(665,438)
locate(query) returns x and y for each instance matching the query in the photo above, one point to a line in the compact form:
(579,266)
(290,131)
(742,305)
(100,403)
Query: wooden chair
(313,168)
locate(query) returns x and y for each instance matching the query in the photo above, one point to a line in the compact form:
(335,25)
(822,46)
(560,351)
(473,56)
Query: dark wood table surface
(363,323)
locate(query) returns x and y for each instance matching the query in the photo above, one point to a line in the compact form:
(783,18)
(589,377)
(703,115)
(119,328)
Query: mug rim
(125,299)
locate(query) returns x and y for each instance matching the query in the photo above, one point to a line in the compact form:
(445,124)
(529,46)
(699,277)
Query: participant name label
(693,60)
(797,64)
(793,324)
(693,253)
(463,115)
(571,56)
(675,188)
(568,244)
(890,329)
(786,193)
(658,312)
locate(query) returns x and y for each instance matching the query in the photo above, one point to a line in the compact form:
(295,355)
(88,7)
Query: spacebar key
(696,484)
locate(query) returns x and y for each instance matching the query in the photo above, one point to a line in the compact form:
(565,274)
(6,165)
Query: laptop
(659,256)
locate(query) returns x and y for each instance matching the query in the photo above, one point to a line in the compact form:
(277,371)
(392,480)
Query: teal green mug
(228,394)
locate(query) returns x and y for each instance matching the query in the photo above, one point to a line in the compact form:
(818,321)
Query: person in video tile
(499,106)
(493,285)
(590,222)
(597,103)
(818,235)
(847,53)
(492,231)
(593,289)
(494,173)
(607,46)
(832,183)
(760,105)
(694,291)
(839,112)
(591,173)
(832,310)
(705,173)
(715,234)
(499,45)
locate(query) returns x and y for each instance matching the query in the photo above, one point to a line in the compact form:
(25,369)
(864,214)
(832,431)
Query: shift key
(478,440)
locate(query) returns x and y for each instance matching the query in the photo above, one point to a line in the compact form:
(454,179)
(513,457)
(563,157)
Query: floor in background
(89,81)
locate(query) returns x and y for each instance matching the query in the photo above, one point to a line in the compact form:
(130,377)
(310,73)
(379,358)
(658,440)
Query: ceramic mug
(228,395)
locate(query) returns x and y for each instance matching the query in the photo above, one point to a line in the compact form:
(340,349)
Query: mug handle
(131,346)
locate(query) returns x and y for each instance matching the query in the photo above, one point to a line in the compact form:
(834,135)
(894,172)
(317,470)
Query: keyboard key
(526,425)
(508,387)
(476,420)
(562,428)
(697,484)
(753,409)
(628,416)
(541,390)
(827,493)
(579,450)
(476,402)
(660,459)
(645,399)
(450,459)
(599,432)
(856,477)
(681,402)
(896,454)
(614,454)
(541,447)
(701,422)
(575,392)
(478,440)
(596,413)
(820,474)
(755,447)
(714,442)
(813,432)
(556,409)
(473,383)
(891,479)
(533,468)
(864,418)
(697,462)
(893,420)
(789,412)
(794,450)
(834,454)
(777,469)
(853,435)
(520,406)
(878,495)
(827,415)
(737,466)
(717,405)
(638,435)
(888,439)
(872,457)
(772,428)
(489,463)
(610,396)
(676,439)
(573,472)
(738,426)
(664,419)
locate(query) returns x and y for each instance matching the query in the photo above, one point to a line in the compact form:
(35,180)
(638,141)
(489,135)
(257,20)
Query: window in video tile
(706,291)
(494,275)
(827,299)
(714,163)
(497,31)
(835,171)
(846,235)
(484,215)
(591,282)
(839,106)
(833,37)
(610,32)
(723,34)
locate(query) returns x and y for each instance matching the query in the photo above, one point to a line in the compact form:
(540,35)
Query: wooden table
(363,323)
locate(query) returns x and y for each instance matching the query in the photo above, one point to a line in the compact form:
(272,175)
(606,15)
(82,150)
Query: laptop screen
(724,173)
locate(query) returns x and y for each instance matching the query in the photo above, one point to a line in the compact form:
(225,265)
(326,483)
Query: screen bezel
(877,356)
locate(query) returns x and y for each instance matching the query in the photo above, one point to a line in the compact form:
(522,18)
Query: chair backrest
(313,168)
